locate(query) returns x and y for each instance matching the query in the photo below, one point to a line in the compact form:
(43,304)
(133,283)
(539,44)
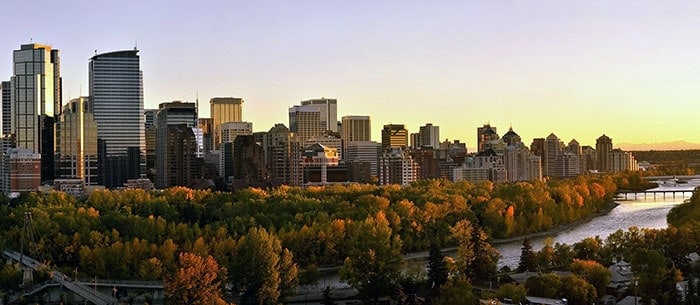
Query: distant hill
(665,146)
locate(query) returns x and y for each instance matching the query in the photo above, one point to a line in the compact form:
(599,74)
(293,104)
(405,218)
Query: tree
(528,261)
(593,272)
(457,291)
(374,263)
(577,291)
(262,271)
(546,285)
(516,293)
(476,257)
(437,267)
(196,282)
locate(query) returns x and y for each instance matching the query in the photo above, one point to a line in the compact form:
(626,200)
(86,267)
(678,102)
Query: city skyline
(578,69)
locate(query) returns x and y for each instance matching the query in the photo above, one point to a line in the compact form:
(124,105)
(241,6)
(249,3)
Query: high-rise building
(485,166)
(6,138)
(621,161)
(116,91)
(552,148)
(355,128)
(397,167)
(182,166)
(224,110)
(36,100)
(364,152)
(249,166)
(430,136)
(181,115)
(484,134)
(328,109)
(603,146)
(521,164)
(394,136)
(304,122)
(282,152)
(76,142)
(537,148)
(206,126)
(229,132)
(151,117)
(588,159)
(511,138)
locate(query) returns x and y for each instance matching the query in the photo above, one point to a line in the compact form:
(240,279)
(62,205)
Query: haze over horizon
(578,69)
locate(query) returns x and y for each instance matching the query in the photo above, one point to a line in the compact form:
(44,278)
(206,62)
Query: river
(642,213)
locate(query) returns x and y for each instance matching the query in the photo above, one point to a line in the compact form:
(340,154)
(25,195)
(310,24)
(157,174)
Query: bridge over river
(87,289)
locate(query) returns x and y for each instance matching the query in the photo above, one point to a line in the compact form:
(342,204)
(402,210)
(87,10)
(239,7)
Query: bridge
(633,195)
(679,178)
(61,279)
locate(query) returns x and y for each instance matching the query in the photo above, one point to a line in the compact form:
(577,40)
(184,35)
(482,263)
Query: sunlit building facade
(76,142)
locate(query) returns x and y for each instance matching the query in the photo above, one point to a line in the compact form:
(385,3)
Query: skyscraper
(355,128)
(328,108)
(429,136)
(394,136)
(6,138)
(180,116)
(36,99)
(224,110)
(484,134)
(116,90)
(304,122)
(603,146)
(76,142)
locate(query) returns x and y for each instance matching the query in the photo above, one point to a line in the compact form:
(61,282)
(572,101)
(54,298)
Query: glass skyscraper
(35,100)
(116,90)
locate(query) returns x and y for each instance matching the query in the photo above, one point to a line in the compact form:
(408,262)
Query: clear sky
(629,69)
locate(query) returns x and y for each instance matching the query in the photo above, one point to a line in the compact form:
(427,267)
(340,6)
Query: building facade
(304,122)
(76,142)
(181,115)
(22,172)
(429,135)
(397,167)
(116,91)
(394,136)
(224,110)
(328,110)
(603,146)
(36,100)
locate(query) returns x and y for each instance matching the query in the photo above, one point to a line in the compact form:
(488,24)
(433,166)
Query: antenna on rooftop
(136,45)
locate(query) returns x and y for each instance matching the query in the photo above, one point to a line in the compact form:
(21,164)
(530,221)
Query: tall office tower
(414,140)
(151,117)
(229,132)
(181,115)
(521,164)
(206,126)
(603,146)
(355,128)
(511,138)
(76,142)
(394,136)
(224,110)
(429,136)
(552,148)
(364,152)
(116,91)
(427,163)
(182,165)
(588,159)
(485,134)
(6,138)
(397,167)
(249,162)
(328,108)
(36,100)
(282,152)
(304,122)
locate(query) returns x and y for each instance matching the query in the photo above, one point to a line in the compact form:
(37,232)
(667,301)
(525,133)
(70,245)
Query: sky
(578,69)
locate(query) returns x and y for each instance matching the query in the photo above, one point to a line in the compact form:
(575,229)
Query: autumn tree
(457,291)
(475,256)
(374,265)
(263,272)
(437,267)
(196,282)
(594,273)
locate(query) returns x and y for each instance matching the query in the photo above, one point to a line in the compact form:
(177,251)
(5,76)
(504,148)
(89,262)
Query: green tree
(457,291)
(516,293)
(594,273)
(545,285)
(196,282)
(437,267)
(528,261)
(262,270)
(577,291)
(374,263)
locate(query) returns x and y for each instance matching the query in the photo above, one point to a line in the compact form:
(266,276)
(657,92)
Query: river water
(642,212)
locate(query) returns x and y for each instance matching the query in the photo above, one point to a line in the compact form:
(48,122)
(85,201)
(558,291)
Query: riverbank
(558,229)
